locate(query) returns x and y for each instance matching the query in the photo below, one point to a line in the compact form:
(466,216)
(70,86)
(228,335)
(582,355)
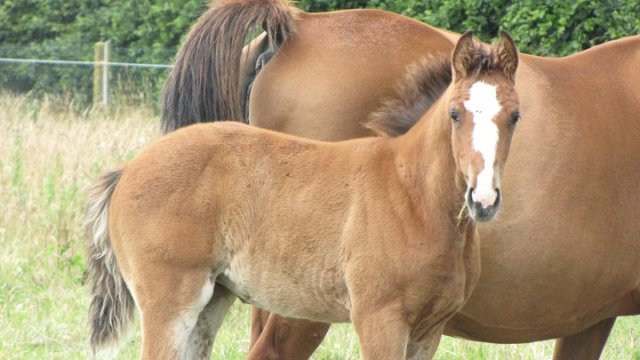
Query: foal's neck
(427,167)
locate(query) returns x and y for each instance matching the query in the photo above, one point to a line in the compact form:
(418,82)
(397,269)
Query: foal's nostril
(498,198)
(468,197)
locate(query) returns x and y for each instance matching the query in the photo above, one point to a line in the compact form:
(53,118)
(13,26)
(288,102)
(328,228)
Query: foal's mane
(422,85)
(425,81)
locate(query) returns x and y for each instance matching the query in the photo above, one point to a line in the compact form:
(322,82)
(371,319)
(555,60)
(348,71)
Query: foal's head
(483,109)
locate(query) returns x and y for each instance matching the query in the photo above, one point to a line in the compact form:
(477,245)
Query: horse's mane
(422,85)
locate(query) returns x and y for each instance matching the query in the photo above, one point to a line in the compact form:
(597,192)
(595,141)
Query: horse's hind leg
(276,337)
(587,344)
(171,302)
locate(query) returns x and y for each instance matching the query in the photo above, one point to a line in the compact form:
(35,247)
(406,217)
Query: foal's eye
(515,117)
(455,115)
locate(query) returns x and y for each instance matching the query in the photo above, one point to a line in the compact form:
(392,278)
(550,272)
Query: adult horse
(367,230)
(560,262)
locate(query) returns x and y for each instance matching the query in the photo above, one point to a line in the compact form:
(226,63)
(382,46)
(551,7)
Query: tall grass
(49,156)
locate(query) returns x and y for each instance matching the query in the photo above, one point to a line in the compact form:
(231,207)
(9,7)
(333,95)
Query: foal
(366,230)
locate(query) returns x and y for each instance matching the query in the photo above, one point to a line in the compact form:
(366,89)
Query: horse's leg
(259,319)
(210,319)
(170,301)
(587,344)
(383,334)
(276,337)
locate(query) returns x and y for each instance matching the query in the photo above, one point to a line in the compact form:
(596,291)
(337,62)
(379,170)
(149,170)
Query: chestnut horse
(365,230)
(560,262)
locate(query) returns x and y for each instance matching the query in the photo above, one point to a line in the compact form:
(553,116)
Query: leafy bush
(540,27)
(547,28)
(139,31)
(330,5)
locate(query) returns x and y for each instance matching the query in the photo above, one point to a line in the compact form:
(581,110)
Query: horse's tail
(111,308)
(205,82)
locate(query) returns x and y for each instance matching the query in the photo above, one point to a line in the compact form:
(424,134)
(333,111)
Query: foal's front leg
(383,332)
(426,347)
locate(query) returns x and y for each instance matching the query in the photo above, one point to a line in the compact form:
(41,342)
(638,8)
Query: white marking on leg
(484,106)
(186,323)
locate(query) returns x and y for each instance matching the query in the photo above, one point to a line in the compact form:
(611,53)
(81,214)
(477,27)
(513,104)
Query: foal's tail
(212,72)
(111,308)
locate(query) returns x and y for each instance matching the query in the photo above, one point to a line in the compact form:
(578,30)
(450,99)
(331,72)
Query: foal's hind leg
(171,302)
(587,345)
(210,319)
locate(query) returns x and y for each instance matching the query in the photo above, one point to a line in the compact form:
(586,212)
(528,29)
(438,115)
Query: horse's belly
(304,291)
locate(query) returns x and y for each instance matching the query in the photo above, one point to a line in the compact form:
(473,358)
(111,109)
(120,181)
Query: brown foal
(371,231)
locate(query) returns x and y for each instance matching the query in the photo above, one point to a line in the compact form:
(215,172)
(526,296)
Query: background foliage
(150,31)
(140,31)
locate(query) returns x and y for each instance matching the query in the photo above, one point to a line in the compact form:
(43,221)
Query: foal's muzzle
(480,212)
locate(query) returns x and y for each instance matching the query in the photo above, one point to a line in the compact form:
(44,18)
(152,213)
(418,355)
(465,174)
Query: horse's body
(561,261)
(366,230)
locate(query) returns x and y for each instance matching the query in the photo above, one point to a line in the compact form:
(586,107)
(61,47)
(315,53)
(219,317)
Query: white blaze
(484,106)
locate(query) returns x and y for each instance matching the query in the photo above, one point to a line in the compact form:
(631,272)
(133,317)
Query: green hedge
(150,31)
(569,26)
(540,27)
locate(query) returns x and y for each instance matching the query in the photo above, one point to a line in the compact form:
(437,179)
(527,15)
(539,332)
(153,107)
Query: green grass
(49,157)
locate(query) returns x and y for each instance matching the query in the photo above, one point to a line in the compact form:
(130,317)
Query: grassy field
(49,157)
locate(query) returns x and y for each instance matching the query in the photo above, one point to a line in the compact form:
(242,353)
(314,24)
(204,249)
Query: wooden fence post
(101,73)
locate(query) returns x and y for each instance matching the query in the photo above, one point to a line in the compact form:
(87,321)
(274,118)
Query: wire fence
(99,74)
(89,63)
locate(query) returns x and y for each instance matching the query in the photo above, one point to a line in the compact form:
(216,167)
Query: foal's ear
(507,55)
(463,55)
